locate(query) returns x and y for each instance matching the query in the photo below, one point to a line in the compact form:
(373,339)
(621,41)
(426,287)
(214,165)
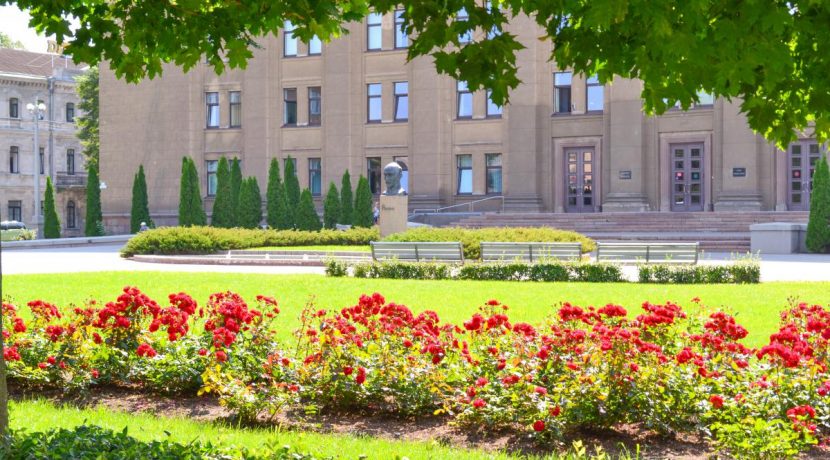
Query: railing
(63,180)
(469,205)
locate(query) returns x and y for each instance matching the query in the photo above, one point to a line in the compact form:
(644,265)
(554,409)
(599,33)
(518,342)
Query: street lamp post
(37,110)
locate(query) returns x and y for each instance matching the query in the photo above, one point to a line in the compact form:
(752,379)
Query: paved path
(796,267)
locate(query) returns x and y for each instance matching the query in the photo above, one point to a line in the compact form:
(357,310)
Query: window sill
(300,126)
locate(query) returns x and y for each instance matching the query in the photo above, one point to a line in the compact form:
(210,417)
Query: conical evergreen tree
(236,188)
(346,200)
(223,202)
(818,227)
(307,217)
(363,204)
(277,215)
(185,192)
(331,207)
(93,225)
(51,223)
(250,204)
(292,190)
(140,211)
(199,217)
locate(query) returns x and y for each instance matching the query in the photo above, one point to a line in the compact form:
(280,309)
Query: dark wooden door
(687,177)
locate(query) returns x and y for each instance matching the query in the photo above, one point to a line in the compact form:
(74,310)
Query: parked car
(12,230)
(12,225)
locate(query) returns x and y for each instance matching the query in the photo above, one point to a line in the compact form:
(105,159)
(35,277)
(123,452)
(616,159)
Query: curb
(221,261)
(65,242)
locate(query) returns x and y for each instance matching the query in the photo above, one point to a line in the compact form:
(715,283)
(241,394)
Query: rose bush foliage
(664,368)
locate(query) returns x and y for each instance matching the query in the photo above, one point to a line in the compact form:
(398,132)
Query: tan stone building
(29,78)
(563,144)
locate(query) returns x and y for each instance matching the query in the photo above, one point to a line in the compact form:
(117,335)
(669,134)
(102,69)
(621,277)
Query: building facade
(33,78)
(564,143)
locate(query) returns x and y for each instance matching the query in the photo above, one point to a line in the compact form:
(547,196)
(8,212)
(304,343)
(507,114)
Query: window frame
(71,218)
(315,46)
(211,169)
(286,102)
(288,37)
(465,94)
(14,103)
(70,162)
(210,107)
(488,168)
(464,16)
(42,159)
(318,172)
(593,82)
(373,175)
(15,210)
(373,28)
(234,108)
(399,32)
(70,112)
(369,98)
(460,169)
(315,119)
(14,159)
(399,96)
(499,110)
(557,95)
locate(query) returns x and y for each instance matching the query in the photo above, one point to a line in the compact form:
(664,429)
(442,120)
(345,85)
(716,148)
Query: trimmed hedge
(471,238)
(553,271)
(741,272)
(206,240)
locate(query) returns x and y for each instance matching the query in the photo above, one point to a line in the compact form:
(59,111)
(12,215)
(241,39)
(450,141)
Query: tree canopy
(769,53)
(7,42)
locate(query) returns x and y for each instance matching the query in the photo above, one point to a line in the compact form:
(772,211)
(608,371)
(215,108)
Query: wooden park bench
(530,252)
(650,253)
(417,251)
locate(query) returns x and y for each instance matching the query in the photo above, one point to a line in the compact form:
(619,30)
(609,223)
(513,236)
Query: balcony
(65,181)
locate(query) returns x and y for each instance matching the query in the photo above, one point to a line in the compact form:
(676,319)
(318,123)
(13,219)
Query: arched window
(70,214)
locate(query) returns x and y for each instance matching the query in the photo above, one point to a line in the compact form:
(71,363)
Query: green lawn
(42,416)
(757,306)
(325,248)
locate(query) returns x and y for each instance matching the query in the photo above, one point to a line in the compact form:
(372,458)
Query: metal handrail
(468,204)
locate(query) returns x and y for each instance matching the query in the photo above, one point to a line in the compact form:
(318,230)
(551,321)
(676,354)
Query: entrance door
(579,180)
(687,177)
(802,159)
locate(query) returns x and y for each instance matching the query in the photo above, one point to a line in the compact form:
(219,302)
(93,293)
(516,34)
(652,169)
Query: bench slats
(648,252)
(418,251)
(530,251)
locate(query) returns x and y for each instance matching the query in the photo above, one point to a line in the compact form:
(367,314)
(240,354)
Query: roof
(37,64)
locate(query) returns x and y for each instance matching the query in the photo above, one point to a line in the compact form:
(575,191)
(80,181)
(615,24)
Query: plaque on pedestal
(394,210)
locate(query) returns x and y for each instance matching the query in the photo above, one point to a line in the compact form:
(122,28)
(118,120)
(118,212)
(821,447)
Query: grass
(756,306)
(324,248)
(40,415)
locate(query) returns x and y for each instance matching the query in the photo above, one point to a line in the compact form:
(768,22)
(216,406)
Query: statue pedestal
(394,211)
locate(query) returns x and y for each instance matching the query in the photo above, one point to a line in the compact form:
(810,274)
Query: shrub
(278,216)
(93,223)
(140,210)
(471,238)
(190,197)
(223,210)
(292,189)
(739,272)
(51,222)
(307,218)
(363,216)
(818,227)
(346,200)
(331,207)
(236,188)
(207,240)
(250,204)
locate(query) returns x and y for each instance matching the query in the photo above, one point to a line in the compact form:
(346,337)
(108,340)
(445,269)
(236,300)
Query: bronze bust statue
(392,175)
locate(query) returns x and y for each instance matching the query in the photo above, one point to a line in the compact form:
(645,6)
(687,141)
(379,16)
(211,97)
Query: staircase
(716,231)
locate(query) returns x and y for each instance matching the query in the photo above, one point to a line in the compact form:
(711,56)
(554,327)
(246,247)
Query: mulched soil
(624,438)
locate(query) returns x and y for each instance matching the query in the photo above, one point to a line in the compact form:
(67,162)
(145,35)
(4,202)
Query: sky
(15,24)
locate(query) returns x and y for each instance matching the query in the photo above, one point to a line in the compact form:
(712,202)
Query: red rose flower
(203,352)
(94,373)
(361,376)
(145,350)
(539,425)
(221,356)
(716,400)
(479,403)
(347,370)
(541,390)
(556,411)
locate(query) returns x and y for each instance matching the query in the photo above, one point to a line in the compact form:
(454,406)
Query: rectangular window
(374,102)
(211,167)
(70,214)
(289,41)
(704,99)
(41,158)
(493,110)
(373,174)
(70,112)
(494,31)
(493,162)
(14,159)
(315,105)
(374,31)
(290,107)
(467,36)
(16,210)
(70,161)
(401,39)
(595,94)
(465,174)
(315,176)
(401,101)
(315,46)
(212,103)
(236,108)
(464,100)
(562,92)
(14,108)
